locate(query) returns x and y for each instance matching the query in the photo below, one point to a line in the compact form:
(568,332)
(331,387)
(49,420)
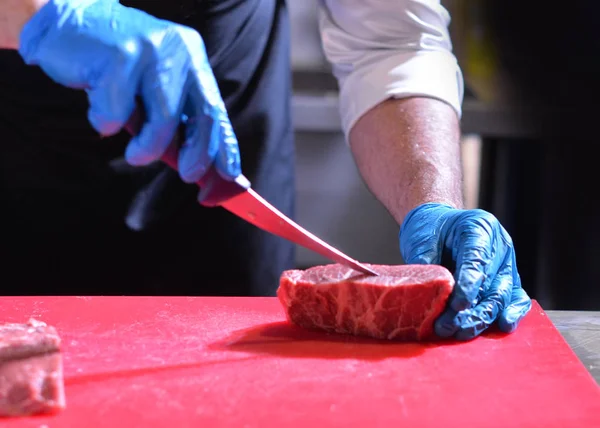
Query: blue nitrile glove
(117,53)
(488,285)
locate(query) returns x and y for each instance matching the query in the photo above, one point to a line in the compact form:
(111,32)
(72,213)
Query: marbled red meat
(31,376)
(402,303)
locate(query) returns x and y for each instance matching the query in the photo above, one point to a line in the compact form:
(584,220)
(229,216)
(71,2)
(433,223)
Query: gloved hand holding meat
(481,254)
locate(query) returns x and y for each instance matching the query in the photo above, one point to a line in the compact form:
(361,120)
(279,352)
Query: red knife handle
(214,189)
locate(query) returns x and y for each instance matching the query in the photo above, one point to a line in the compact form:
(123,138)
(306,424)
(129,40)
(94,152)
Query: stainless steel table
(581,330)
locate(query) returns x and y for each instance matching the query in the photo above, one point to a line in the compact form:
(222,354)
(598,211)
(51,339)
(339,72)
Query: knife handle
(214,189)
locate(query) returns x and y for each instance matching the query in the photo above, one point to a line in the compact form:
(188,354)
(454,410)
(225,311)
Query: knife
(239,198)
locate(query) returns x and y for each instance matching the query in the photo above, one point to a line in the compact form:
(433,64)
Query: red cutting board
(235,362)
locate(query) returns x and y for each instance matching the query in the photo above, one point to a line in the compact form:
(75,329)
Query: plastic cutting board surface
(236,362)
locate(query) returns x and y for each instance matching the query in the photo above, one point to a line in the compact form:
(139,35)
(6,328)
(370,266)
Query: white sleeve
(389,48)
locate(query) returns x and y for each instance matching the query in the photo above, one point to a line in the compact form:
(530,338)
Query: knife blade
(240,199)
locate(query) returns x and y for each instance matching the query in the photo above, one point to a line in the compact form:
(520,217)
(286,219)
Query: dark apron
(77,220)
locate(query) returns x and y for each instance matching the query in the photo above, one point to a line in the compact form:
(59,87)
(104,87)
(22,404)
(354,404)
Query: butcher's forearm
(408,153)
(13,16)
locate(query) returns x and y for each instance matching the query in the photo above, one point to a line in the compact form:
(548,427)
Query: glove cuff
(420,235)
(36,28)
(52,14)
(427,206)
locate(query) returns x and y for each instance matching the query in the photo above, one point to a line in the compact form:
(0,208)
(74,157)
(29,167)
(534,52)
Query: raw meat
(401,303)
(31,377)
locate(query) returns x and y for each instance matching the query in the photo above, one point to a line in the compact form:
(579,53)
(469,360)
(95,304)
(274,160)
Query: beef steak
(31,376)
(401,303)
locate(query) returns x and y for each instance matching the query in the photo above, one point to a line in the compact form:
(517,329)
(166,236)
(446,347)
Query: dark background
(545,190)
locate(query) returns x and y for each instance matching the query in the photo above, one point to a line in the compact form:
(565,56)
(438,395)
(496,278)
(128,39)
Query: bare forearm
(13,16)
(408,153)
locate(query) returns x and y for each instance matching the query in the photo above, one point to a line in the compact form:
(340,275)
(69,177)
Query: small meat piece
(31,375)
(402,303)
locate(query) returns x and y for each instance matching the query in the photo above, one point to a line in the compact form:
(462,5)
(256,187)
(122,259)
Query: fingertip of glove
(191,165)
(136,155)
(445,325)
(510,319)
(443,330)
(192,175)
(228,168)
(229,165)
(104,126)
(507,326)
